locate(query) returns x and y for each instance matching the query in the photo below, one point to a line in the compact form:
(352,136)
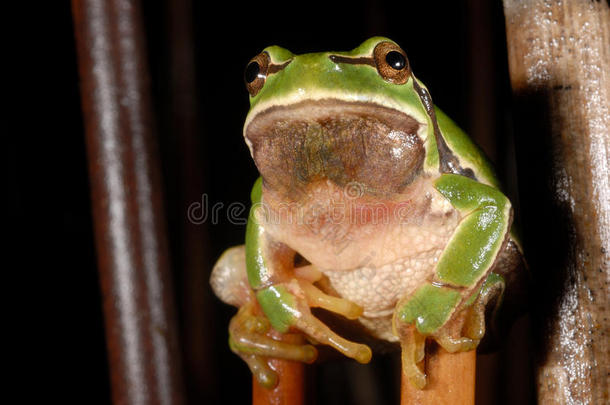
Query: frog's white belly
(377,290)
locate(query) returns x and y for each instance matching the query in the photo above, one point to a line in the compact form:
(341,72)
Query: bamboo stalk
(559,59)
(291,387)
(450,380)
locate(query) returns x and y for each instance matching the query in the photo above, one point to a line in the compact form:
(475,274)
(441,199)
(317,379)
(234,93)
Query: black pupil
(252,71)
(396,60)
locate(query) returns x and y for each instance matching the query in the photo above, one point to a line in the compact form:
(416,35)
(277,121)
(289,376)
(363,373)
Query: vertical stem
(450,380)
(291,387)
(129,224)
(559,59)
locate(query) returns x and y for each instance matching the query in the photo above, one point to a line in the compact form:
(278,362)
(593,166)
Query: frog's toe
(259,368)
(317,298)
(262,345)
(316,329)
(288,306)
(256,350)
(248,337)
(474,326)
(486,308)
(413,351)
(459,344)
(466,334)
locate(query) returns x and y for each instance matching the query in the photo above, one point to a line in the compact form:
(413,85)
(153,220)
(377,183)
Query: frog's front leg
(286,294)
(248,329)
(450,308)
(262,281)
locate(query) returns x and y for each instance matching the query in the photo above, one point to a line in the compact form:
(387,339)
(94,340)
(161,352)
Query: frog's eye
(256,73)
(392,63)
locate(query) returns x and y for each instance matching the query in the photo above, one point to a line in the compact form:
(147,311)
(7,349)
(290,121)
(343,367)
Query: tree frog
(371,204)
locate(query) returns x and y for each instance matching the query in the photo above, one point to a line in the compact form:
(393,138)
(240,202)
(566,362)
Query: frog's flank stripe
(363,60)
(448,162)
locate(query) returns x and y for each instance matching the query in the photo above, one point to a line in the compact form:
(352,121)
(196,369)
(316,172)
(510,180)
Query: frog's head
(340,116)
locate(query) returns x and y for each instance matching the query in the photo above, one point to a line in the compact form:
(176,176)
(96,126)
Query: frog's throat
(346,142)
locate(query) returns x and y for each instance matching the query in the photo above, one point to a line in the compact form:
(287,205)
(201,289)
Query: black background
(48,190)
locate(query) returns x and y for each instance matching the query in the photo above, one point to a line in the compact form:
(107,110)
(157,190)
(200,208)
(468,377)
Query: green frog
(371,205)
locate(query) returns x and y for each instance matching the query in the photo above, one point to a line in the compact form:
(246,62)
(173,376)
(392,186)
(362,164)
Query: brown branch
(132,251)
(450,380)
(559,57)
(291,387)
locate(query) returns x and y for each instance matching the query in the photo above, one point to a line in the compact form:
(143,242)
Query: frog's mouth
(345,142)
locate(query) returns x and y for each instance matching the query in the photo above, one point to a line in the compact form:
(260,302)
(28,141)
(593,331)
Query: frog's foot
(486,306)
(413,345)
(431,311)
(248,339)
(287,305)
(465,331)
(468,328)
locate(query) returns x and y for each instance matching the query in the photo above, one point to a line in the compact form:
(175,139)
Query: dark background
(456,48)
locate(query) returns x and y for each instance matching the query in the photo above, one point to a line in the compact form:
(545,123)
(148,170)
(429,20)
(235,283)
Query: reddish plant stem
(291,387)
(450,380)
